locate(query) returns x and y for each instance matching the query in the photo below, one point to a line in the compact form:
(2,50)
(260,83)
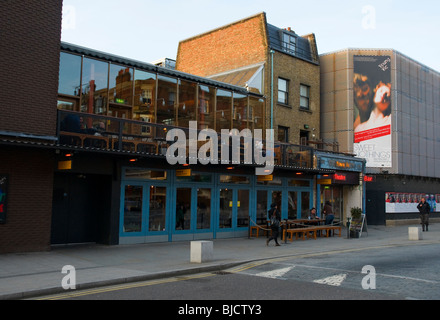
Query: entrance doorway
(333,194)
(192,214)
(81,208)
(234,209)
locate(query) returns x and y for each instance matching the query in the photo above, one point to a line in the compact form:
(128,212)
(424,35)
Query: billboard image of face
(372,109)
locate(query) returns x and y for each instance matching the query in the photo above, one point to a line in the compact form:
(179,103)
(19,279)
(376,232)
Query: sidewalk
(33,274)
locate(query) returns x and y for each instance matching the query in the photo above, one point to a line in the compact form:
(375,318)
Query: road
(386,273)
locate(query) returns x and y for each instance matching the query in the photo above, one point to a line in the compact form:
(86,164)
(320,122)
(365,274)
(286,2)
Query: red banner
(372,133)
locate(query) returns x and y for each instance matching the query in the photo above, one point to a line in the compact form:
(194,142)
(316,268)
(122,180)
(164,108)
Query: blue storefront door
(233,214)
(191,214)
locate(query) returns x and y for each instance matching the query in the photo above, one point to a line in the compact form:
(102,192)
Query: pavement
(28,275)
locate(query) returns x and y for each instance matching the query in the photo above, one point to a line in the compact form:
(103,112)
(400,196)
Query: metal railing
(104,133)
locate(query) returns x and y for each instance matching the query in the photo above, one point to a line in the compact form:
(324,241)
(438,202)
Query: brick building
(285,68)
(83,136)
(31,33)
(255,54)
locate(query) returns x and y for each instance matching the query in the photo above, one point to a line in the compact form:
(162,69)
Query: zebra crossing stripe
(335,281)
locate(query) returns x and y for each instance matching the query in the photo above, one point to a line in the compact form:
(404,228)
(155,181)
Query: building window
(304,92)
(283,134)
(283,91)
(289,43)
(70,74)
(303,137)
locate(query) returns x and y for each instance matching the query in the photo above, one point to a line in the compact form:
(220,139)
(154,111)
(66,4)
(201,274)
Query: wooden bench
(303,232)
(310,231)
(330,228)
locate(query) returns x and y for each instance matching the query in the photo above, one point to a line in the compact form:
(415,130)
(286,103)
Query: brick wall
(239,44)
(298,72)
(30,32)
(245,43)
(29,199)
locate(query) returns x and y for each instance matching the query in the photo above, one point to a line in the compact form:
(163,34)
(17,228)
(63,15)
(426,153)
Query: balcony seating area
(89,131)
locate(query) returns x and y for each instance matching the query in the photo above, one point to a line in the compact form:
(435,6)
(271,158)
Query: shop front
(343,189)
(181,205)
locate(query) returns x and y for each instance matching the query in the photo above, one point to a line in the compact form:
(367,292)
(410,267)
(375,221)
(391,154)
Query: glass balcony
(102,133)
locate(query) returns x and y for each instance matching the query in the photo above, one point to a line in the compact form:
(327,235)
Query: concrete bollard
(202,251)
(415,233)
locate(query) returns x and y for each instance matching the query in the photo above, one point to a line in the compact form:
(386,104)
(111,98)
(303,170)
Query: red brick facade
(245,43)
(29,196)
(31,35)
(230,47)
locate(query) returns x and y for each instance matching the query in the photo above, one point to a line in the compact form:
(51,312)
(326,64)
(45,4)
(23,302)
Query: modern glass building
(113,118)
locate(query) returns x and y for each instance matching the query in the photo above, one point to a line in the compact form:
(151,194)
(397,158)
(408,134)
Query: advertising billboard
(403,202)
(372,109)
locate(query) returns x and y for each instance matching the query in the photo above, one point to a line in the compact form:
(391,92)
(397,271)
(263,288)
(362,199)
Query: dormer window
(289,43)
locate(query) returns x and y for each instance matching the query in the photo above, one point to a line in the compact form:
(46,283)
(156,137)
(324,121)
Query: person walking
(329,215)
(424,209)
(274,224)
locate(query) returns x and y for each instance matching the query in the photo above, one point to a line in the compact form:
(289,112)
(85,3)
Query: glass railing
(103,133)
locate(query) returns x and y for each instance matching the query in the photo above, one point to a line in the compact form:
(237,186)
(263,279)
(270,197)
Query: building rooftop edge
(382,49)
(149,66)
(222,27)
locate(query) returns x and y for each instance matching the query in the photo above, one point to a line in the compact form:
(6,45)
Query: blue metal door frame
(172,184)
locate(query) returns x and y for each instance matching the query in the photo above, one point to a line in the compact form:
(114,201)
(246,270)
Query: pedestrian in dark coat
(424,209)
(275,219)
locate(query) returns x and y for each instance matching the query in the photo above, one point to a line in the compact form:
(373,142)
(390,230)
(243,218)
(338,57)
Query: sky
(147,30)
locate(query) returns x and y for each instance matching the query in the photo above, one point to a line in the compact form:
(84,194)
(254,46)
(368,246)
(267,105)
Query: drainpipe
(271,89)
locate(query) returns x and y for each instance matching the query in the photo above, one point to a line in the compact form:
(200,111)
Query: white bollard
(202,251)
(415,233)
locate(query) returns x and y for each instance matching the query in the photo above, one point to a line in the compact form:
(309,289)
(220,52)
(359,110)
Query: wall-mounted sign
(183,173)
(340,164)
(351,178)
(65,165)
(269,177)
(3,197)
(404,202)
(325,181)
(369,178)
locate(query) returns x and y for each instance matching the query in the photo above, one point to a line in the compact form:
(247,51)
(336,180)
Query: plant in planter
(356,222)
(356,213)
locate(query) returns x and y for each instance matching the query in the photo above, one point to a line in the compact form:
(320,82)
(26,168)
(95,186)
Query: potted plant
(356,222)
(356,213)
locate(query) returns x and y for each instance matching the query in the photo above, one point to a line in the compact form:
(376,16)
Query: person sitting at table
(100,129)
(312,214)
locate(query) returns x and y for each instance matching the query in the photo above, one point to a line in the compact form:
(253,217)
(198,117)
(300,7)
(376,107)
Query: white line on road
(274,274)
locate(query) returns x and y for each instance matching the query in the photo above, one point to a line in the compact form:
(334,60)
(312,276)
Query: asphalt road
(394,273)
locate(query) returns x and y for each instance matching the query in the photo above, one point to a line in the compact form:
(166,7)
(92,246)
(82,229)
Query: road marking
(75,294)
(335,281)
(274,274)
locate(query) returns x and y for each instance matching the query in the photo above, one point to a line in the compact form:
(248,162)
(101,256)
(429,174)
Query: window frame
(304,97)
(285,93)
(286,131)
(289,46)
